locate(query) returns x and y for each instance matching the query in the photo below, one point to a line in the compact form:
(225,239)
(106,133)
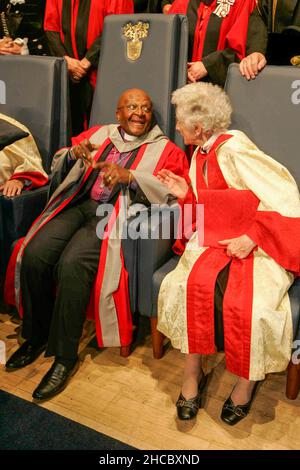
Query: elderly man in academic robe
(53,270)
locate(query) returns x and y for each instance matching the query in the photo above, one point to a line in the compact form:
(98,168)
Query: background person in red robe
(73,29)
(217,35)
(279,22)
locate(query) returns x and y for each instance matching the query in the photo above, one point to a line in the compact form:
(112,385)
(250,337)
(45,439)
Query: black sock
(37,342)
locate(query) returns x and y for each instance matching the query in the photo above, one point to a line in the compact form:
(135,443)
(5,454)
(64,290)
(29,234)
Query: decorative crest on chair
(134,33)
(223,7)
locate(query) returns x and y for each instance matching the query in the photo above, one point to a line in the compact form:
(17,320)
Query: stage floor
(133,399)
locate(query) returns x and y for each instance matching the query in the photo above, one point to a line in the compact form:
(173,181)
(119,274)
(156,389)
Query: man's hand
(239,247)
(114,174)
(75,69)
(12,188)
(85,64)
(176,184)
(166,8)
(196,71)
(83,151)
(251,65)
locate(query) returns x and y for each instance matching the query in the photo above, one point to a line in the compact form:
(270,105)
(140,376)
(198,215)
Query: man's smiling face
(134,112)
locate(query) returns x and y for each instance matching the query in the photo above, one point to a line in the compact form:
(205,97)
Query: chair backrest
(267,109)
(160,69)
(34,90)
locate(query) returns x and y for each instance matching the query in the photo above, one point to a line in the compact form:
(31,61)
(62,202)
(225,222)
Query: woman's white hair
(202,104)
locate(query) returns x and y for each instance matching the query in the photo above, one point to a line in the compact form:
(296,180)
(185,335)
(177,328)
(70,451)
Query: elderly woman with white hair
(237,262)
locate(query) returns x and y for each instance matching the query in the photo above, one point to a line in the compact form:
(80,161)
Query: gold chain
(274,14)
(4,25)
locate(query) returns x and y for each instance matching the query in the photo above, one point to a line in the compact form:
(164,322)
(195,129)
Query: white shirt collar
(128,137)
(210,142)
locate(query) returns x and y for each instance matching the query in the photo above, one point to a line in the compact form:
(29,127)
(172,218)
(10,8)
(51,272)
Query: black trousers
(81,96)
(221,284)
(57,273)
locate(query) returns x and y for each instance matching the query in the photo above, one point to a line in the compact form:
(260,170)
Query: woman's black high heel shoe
(232,414)
(188,409)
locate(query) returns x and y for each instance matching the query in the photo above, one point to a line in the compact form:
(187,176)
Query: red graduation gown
(211,33)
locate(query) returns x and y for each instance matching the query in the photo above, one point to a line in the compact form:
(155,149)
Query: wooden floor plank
(133,400)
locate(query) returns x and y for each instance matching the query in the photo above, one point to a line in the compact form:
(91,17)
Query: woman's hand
(251,65)
(176,184)
(196,71)
(12,188)
(9,47)
(239,247)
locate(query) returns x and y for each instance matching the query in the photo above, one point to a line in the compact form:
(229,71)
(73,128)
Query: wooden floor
(133,400)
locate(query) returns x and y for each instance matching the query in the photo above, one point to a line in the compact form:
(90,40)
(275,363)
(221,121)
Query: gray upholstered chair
(267,109)
(36,94)
(160,69)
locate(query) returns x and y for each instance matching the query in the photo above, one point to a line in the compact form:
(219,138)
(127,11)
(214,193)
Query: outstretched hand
(176,184)
(83,151)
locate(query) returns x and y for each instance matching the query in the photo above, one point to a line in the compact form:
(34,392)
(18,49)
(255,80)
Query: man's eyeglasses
(132,108)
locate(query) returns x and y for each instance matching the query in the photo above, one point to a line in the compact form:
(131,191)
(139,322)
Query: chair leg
(125,351)
(157,340)
(293,381)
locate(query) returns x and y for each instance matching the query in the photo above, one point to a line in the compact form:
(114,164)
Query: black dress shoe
(188,409)
(55,381)
(232,414)
(26,354)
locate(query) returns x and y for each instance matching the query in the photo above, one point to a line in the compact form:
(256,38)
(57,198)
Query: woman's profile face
(191,136)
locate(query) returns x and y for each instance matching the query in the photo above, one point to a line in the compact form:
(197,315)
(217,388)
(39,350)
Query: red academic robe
(35,179)
(256,318)
(80,25)
(233,29)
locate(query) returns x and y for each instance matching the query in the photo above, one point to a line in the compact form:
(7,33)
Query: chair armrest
(16,216)
(158,231)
